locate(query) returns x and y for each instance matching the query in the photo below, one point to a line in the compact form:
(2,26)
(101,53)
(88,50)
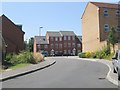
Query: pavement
(9,74)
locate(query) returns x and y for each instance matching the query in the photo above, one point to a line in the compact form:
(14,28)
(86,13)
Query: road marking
(109,77)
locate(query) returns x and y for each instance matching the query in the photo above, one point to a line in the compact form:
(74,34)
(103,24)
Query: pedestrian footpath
(9,74)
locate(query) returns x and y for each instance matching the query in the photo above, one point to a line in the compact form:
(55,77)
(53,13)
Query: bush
(81,55)
(38,57)
(87,54)
(105,51)
(22,57)
(100,54)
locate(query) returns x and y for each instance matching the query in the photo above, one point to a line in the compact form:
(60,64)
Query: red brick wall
(61,42)
(13,36)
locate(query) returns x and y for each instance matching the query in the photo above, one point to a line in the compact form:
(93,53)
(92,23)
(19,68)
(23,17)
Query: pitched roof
(41,40)
(67,33)
(52,33)
(80,38)
(105,5)
(18,26)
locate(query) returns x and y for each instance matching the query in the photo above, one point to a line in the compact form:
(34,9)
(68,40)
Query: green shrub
(22,57)
(81,55)
(88,54)
(100,54)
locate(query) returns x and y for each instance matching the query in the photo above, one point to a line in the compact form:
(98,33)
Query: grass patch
(19,66)
(109,57)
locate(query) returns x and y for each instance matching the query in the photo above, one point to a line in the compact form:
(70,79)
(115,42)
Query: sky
(52,16)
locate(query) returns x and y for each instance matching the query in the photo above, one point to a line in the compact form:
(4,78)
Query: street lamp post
(40,30)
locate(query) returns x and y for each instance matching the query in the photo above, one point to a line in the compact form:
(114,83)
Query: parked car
(116,63)
(45,53)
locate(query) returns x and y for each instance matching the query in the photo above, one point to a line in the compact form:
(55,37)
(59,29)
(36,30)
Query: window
(45,46)
(60,45)
(118,28)
(79,45)
(69,44)
(118,13)
(73,44)
(105,12)
(51,45)
(52,38)
(68,37)
(56,38)
(73,37)
(60,38)
(106,27)
(56,45)
(65,44)
(64,37)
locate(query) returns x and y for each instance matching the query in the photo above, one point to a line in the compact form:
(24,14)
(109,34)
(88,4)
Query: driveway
(66,73)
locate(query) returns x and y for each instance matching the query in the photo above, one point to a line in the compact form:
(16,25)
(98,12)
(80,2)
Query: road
(65,73)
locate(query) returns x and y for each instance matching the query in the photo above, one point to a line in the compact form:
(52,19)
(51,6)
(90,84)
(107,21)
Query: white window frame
(65,37)
(56,38)
(73,37)
(68,37)
(60,38)
(106,27)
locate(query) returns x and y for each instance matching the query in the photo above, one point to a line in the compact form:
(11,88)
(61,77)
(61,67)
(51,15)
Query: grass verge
(19,66)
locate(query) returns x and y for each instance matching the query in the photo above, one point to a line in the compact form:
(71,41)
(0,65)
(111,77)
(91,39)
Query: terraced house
(61,43)
(97,20)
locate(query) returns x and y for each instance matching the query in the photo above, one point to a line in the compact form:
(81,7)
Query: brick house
(96,25)
(12,34)
(63,43)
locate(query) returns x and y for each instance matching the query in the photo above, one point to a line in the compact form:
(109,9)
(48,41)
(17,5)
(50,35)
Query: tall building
(62,43)
(97,20)
(12,35)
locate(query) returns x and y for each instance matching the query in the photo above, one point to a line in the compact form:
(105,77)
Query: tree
(30,44)
(112,38)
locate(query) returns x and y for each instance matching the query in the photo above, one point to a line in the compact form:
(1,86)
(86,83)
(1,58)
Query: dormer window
(118,13)
(105,12)
(106,27)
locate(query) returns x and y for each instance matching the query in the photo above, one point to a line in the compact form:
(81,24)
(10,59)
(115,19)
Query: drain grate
(101,78)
